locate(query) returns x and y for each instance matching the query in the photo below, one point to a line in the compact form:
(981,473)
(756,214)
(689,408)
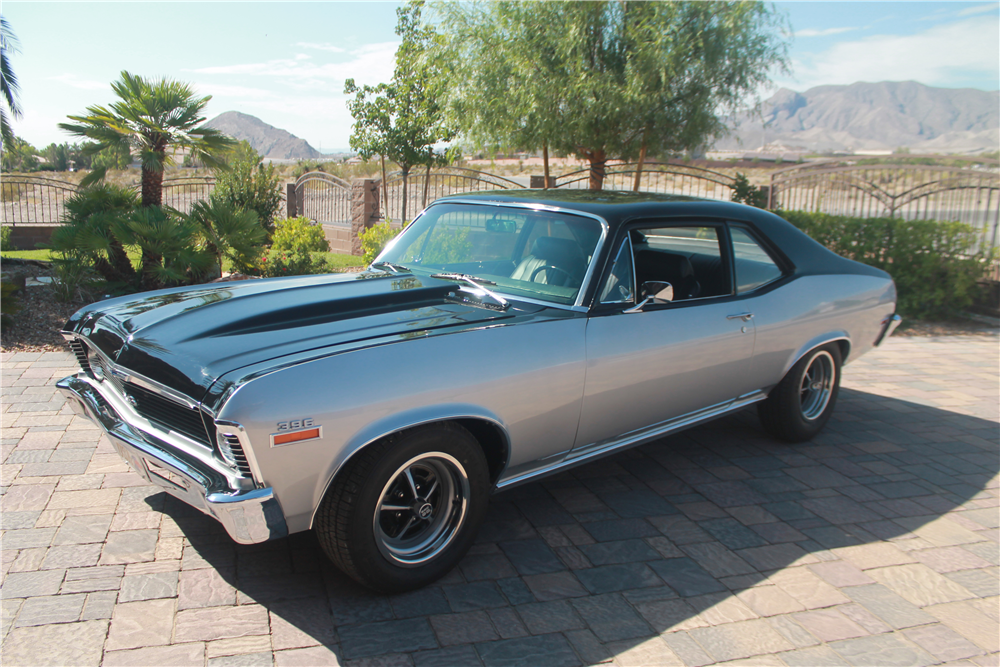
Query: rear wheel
(803,401)
(405,510)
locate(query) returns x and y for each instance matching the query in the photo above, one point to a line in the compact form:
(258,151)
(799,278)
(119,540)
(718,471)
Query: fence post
(364,209)
(538,182)
(290,200)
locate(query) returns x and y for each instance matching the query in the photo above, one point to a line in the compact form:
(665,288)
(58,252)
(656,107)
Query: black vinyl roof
(619,208)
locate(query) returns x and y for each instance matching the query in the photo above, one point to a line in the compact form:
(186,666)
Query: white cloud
(945,55)
(321,47)
(991,7)
(812,32)
(371,63)
(76,82)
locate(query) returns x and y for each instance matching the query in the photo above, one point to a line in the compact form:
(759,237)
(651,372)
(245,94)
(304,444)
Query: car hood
(187,338)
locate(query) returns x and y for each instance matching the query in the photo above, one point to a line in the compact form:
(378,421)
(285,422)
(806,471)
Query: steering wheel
(547,267)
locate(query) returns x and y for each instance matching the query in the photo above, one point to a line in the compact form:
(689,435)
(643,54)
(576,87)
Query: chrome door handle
(746,317)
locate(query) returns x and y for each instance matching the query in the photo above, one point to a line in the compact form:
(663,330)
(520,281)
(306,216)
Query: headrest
(561,252)
(668,264)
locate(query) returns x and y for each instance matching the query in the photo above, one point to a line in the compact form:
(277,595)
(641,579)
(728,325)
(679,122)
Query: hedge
(935,264)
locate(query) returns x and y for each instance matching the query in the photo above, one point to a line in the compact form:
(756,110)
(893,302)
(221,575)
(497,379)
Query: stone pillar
(290,200)
(364,209)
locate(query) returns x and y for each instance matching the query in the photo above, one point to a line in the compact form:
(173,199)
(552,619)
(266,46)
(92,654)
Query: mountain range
(269,141)
(873,116)
(858,117)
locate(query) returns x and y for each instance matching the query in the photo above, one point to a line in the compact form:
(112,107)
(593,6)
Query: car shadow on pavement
(712,545)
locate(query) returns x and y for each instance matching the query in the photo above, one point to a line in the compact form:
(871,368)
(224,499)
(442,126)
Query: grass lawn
(42,255)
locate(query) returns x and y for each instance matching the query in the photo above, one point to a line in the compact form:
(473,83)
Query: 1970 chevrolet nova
(501,337)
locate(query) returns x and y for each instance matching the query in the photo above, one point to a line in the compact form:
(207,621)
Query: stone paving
(875,544)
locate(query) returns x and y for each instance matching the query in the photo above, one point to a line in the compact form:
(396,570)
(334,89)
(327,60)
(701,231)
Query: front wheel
(801,404)
(405,510)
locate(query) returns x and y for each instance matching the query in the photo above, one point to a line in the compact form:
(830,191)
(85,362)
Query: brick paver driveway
(876,544)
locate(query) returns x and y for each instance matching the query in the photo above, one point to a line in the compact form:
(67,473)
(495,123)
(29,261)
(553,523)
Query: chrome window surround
(125,375)
(588,276)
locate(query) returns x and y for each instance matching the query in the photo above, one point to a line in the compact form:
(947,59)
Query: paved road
(876,544)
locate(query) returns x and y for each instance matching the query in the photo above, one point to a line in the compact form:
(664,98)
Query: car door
(648,365)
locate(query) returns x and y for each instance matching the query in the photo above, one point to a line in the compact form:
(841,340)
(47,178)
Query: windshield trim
(587,277)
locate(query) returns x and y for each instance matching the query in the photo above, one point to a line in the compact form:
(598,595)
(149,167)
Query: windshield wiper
(395,268)
(478,283)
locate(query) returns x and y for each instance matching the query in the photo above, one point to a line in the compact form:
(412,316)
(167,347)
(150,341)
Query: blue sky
(286,62)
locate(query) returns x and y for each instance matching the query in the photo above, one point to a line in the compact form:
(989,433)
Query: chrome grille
(80,350)
(98,361)
(167,413)
(238,454)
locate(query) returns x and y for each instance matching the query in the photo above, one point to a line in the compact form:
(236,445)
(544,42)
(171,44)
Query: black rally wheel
(800,405)
(404,510)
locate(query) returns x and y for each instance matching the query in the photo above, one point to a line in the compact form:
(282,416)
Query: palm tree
(150,117)
(9,87)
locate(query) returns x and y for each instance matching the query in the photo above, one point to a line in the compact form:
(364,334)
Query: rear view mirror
(500,226)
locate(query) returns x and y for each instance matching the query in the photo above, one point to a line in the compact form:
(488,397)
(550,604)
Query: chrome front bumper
(249,515)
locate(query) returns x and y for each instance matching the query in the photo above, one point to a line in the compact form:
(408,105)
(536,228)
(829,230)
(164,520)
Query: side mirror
(653,292)
(658,291)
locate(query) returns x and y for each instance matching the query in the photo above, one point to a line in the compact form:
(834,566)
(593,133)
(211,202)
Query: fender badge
(291,437)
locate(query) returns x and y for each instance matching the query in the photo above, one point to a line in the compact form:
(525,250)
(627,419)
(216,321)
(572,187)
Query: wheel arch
(841,338)
(488,430)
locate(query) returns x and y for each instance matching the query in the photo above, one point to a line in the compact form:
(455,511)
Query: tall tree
(9,86)
(605,80)
(402,120)
(150,119)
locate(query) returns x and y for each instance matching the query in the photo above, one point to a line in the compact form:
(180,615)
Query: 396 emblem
(295,424)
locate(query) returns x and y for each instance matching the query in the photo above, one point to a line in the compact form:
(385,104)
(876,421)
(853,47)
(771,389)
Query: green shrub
(744,192)
(6,245)
(299,233)
(249,184)
(10,305)
(934,264)
(374,239)
(87,236)
(230,233)
(279,262)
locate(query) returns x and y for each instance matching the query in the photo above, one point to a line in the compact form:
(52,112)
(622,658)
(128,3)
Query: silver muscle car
(501,337)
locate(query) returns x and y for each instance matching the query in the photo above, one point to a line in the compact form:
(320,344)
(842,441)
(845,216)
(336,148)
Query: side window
(619,288)
(754,267)
(687,257)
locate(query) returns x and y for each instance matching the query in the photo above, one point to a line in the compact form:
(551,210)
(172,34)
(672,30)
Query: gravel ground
(36,327)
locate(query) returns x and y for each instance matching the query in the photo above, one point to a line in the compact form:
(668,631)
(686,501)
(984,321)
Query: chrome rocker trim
(249,515)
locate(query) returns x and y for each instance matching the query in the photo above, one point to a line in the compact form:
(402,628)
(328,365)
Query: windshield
(524,252)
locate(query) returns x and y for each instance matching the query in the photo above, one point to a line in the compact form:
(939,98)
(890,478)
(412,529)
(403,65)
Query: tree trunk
(598,159)
(638,167)
(545,164)
(406,177)
(427,185)
(385,192)
(152,187)
(121,269)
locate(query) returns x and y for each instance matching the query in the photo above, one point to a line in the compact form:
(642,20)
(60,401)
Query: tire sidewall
(374,566)
(807,428)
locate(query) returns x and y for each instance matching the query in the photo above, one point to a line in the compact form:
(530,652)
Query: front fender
(395,423)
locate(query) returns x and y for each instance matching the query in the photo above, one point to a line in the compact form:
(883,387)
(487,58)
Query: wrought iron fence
(424,186)
(663,177)
(34,199)
(920,190)
(181,193)
(324,198)
(41,200)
